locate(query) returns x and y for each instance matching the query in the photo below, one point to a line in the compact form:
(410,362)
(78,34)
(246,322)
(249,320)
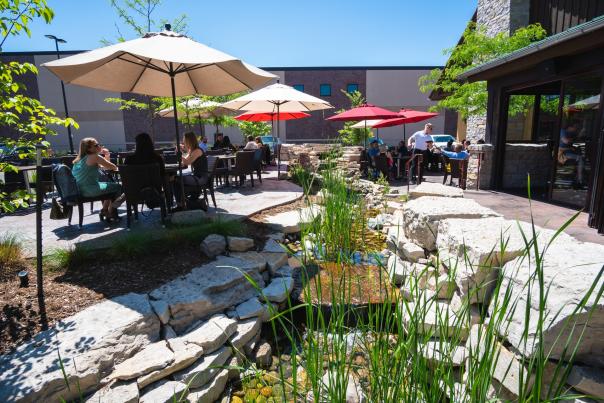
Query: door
(577,149)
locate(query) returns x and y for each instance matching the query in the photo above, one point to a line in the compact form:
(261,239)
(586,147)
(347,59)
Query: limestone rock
(569,270)
(440,351)
(422,216)
(185,354)
(274,261)
(587,380)
(249,309)
(262,355)
(290,221)
(443,285)
(251,257)
(208,289)
(279,289)
(239,244)
(204,369)
(434,189)
(126,392)
(87,341)
(273,246)
(162,310)
(167,332)
(212,334)
(212,391)
(246,330)
(472,248)
(354,394)
(412,251)
(153,357)
(284,271)
(398,269)
(436,318)
(213,245)
(188,217)
(165,392)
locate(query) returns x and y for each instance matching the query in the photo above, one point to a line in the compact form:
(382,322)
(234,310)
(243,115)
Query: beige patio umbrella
(277,98)
(363,124)
(160,64)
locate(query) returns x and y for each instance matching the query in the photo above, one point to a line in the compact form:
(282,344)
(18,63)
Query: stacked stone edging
(187,337)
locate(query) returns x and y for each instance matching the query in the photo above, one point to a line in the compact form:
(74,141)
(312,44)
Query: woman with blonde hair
(86,173)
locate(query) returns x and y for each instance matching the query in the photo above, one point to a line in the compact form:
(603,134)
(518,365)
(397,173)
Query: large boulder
(209,289)
(90,344)
(434,189)
(474,249)
(422,216)
(569,270)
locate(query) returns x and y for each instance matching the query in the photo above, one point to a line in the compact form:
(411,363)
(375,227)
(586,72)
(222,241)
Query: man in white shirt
(418,143)
(251,144)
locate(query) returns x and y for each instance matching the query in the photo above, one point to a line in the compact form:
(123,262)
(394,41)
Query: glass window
(350,88)
(299,87)
(325,90)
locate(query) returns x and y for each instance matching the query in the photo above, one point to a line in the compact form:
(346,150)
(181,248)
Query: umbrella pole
(178,150)
(278,147)
(404,133)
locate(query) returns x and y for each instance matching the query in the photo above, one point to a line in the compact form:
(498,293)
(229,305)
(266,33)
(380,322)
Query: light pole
(57,41)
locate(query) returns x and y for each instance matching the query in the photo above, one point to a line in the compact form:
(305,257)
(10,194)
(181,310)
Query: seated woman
(86,173)
(144,153)
(251,144)
(266,151)
(198,161)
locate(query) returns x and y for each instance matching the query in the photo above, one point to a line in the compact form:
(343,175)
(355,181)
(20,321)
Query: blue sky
(281,33)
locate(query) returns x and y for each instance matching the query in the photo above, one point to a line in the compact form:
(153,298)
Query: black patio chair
(380,165)
(209,185)
(258,155)
(455,169)
(170,158)
(244,165)
(143,184)
(80,200)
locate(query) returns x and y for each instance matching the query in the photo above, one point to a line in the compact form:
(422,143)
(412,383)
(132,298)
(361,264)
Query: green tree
(137,16)
(254,129)
(27,118)
(348,135)
(476,48)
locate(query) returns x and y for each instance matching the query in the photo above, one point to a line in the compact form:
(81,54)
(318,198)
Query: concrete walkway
(232,202)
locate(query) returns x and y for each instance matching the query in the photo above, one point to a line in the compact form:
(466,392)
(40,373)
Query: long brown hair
(190,141)
(85,145)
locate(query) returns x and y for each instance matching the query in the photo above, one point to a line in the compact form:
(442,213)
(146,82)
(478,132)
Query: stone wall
(476,127)
(481,157)
(307,155)
(494,15)
(523,159)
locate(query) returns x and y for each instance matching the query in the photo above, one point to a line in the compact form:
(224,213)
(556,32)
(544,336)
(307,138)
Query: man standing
(418,142)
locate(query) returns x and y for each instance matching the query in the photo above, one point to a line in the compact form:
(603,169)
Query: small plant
(11,250)
(63,259)
(303,177)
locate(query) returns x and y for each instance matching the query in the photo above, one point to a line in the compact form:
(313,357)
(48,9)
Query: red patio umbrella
(405,116)
(269,116)
(364,112)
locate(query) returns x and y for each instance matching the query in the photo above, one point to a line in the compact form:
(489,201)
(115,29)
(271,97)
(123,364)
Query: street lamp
(57,41)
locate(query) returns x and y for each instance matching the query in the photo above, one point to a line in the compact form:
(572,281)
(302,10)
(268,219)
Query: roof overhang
(579,39)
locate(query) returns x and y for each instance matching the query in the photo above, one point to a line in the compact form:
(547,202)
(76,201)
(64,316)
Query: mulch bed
(68,291)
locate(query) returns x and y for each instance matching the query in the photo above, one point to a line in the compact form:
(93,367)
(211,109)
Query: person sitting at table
(203,144)
(458,152)
(266,151)
(222,142)
(251,144)
(195,158)
(144,153)
(86,173)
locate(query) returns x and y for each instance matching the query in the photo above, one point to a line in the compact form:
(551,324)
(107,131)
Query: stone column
(481,156)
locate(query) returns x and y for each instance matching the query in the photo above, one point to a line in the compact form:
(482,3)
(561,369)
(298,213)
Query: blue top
(372,152)
(462,155)
(203,146)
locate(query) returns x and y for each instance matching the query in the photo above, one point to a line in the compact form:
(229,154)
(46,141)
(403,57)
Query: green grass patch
(11,250)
